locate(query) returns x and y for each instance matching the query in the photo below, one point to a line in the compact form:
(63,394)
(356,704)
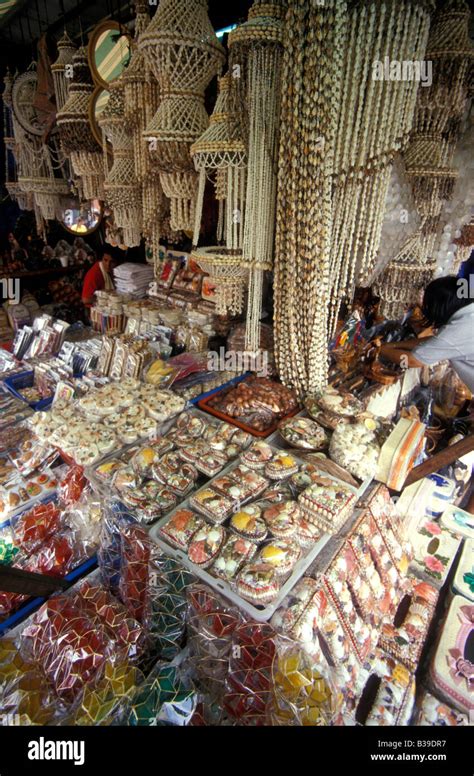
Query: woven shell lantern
(183,52)
(59,69)
(430,154)
(77,140)
(256,62)
(121,187)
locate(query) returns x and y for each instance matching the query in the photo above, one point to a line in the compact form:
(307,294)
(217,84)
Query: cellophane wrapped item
(303,691)
(151,585)
(72,486)
(167,697)
(74,636)
(248,686)
(211,622)
(108,700)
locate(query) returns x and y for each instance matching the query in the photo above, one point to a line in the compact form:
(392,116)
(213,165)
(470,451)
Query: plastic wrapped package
(32,455)
(32,528)
(55,557)
(71,486)
(211,622)
(108,700)
(30,701)
(249,679)
(167,697)
(303,692)
(72,637)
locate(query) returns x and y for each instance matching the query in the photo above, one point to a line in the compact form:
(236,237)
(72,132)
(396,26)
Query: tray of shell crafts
(153,478)
(244,533)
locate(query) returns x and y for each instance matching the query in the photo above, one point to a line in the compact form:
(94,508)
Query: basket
(26,380)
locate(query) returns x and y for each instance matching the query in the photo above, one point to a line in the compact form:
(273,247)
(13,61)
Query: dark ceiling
(28,20)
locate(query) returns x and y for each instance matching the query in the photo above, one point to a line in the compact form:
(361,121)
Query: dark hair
(442,299)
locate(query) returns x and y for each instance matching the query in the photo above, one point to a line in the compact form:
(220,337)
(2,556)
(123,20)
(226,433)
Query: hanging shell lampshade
(183,52)
(221,150)
(122,189)
(229,273)
(77,139)
(66,52)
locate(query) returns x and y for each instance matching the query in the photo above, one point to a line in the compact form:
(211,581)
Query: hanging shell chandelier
(121,187)
(221,152)
(40,164)
(141,100)
(183,52)
(429,156)
(256,61)
(375,118)
(60,69)
(77,140)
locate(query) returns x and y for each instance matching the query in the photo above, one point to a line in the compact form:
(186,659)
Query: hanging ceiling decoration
(221,152)
(77,140)
(375,119)
(62,69)
(141,100)
(183,52)
(122,189)
(256,62)
(429,156)
(40,163)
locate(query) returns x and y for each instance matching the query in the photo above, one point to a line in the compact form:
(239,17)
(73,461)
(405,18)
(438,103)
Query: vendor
(98,278)
(450,310)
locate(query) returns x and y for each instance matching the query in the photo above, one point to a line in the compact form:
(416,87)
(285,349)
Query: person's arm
(400,353)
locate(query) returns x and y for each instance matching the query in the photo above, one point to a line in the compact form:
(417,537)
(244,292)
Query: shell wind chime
(430,154)
(375,118)
(61,69)
(11,177)
(141,100)
(221,151)
(121,187)
(314,43)
(77,140)
(256,61)
(183,52)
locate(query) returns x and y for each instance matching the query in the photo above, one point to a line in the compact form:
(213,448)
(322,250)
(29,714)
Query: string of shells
(61,69)
(314,43)
(430,154)
(183,53)
(77,140)
(375,119)
(121,186)
(256,61)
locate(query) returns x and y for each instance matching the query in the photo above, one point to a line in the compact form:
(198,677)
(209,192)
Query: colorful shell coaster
(181,527)
(280,554)
(258,583)
(232,557)
(206,545)
(303,433)
(249,523)
(281,466)
(282,519)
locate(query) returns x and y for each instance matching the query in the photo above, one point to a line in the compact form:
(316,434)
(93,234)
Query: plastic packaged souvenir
(249,524)
(206,544)
(282,519)
(434,551)
(212,504)
(458,521)
(355,447)
(303,433)
(249,677)
(258,583)
(32,528)
(281,466)
(72,486)
(281,554)
(328,504)
(257,455)
(235,552)
(181,527)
